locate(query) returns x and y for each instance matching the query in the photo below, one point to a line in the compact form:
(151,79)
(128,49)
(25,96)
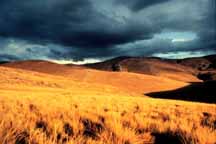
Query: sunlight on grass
(66,118)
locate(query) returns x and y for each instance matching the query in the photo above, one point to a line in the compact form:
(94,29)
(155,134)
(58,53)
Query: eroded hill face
(187,70)
(201,63)
(151,66)
(205,66)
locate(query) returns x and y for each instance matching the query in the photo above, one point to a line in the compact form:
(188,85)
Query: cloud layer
(79,29)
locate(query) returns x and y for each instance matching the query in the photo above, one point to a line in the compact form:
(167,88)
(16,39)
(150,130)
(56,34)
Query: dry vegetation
(38,108)
(65,118)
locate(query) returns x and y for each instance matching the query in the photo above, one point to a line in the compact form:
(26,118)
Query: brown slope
(15,81)
(33,115)
(41,66)
(152,66)
(200,63)
(130,82)
(205,66)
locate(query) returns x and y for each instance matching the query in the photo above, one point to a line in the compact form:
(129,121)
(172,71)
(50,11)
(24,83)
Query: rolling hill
(44,103)
(124,81)
(186,70)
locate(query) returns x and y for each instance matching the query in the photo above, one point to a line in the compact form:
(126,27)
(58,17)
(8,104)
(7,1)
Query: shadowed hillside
(200,63)
(183,69)
(3,62)
(198,92)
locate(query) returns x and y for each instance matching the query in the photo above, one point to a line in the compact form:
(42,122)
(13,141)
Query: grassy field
(38,108)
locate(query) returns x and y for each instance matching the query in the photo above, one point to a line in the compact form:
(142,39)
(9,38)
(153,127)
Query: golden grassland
(38,108)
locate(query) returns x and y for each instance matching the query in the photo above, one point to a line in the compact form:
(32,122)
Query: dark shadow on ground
(3,62)
(197,92)
(167,138)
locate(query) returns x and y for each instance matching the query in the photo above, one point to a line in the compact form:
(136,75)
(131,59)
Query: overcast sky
(94,30)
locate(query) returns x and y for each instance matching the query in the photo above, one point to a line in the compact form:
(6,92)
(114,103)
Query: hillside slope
(150,66)
(185,70)
(124,81)
(51,103)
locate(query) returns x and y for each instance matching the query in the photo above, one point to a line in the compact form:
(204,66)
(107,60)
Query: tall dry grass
(63,117)
(37,108)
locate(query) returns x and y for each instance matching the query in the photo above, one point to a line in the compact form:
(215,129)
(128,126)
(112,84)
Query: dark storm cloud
(79,54)
(7,57)
(67,22)
(78,29)
(137,5)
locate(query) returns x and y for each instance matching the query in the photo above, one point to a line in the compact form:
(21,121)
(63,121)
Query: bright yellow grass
(57,110)
(123,117)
